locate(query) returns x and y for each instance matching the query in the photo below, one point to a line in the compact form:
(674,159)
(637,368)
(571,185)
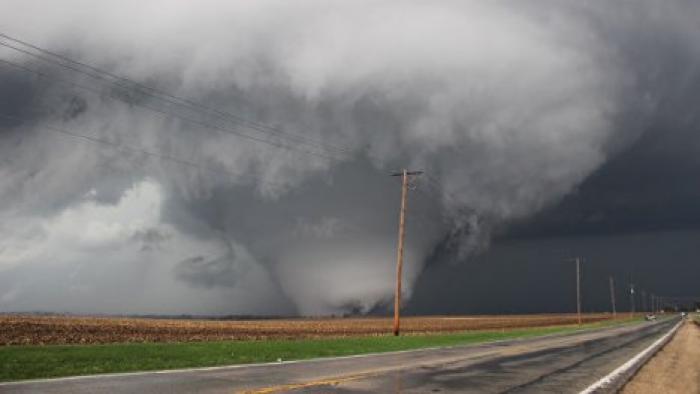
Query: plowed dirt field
(28,329)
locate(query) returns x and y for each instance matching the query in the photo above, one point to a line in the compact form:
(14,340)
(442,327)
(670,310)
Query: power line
(137,87)
(417,215)
(424,218)
(166,113)
(131,149)
(432,184)
(163,93)
(127,85)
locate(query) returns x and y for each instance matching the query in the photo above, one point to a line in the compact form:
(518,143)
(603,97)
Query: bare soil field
(674,369)
(40,330)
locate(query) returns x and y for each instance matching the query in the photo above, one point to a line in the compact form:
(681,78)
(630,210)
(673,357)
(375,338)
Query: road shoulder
(674,369)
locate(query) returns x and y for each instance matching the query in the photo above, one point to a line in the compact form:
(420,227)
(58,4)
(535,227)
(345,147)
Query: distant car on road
(650,317)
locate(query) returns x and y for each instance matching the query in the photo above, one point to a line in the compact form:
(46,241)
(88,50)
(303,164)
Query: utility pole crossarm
(409,173)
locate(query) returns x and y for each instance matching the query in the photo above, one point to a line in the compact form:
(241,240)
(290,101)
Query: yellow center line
(511,350)
(515,350)
(313,383)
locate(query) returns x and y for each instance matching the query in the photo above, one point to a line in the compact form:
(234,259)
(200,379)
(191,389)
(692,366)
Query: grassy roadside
(30,362)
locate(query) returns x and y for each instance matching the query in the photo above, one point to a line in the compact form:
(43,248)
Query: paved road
(560,363)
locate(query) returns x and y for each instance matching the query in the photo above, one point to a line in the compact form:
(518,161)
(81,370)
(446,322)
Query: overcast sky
(546,130)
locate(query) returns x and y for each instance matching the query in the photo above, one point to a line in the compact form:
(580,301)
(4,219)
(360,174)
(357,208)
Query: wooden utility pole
(578,289)
(631,299)
(612,297)
(399,252)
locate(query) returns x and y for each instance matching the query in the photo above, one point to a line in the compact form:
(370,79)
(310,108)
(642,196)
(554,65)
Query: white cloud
(86,254)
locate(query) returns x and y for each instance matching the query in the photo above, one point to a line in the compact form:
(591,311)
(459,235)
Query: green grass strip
(32,362)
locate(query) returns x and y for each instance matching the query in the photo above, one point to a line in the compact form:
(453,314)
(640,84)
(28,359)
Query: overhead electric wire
(140,88)
(166,113)
(194,121)
(132,149)
(123,85)
(247,122)
(419,217)
(416,217)
(431,182)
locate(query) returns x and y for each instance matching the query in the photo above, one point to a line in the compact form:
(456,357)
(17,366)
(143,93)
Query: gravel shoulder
(674,369)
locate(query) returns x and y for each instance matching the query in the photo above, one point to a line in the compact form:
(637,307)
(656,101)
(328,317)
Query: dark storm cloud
(150,238)
(199,271)
(636,217)
(16,96)
(537,275)
(508,106)
(279,235)
(26,97)
(649,185)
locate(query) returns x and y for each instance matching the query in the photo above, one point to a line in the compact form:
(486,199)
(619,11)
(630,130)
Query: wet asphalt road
(557,364)
(560,369)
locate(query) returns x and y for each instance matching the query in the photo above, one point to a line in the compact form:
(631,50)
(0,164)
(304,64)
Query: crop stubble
(45,330)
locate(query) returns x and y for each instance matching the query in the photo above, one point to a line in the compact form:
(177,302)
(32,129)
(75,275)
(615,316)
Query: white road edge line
(309,360)
(620,371)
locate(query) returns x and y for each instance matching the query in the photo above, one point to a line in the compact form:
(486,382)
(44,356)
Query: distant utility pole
(631,298)
(612,296)
(577,260)
(657,304)
(399,253)
(643,294)
(578,288)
